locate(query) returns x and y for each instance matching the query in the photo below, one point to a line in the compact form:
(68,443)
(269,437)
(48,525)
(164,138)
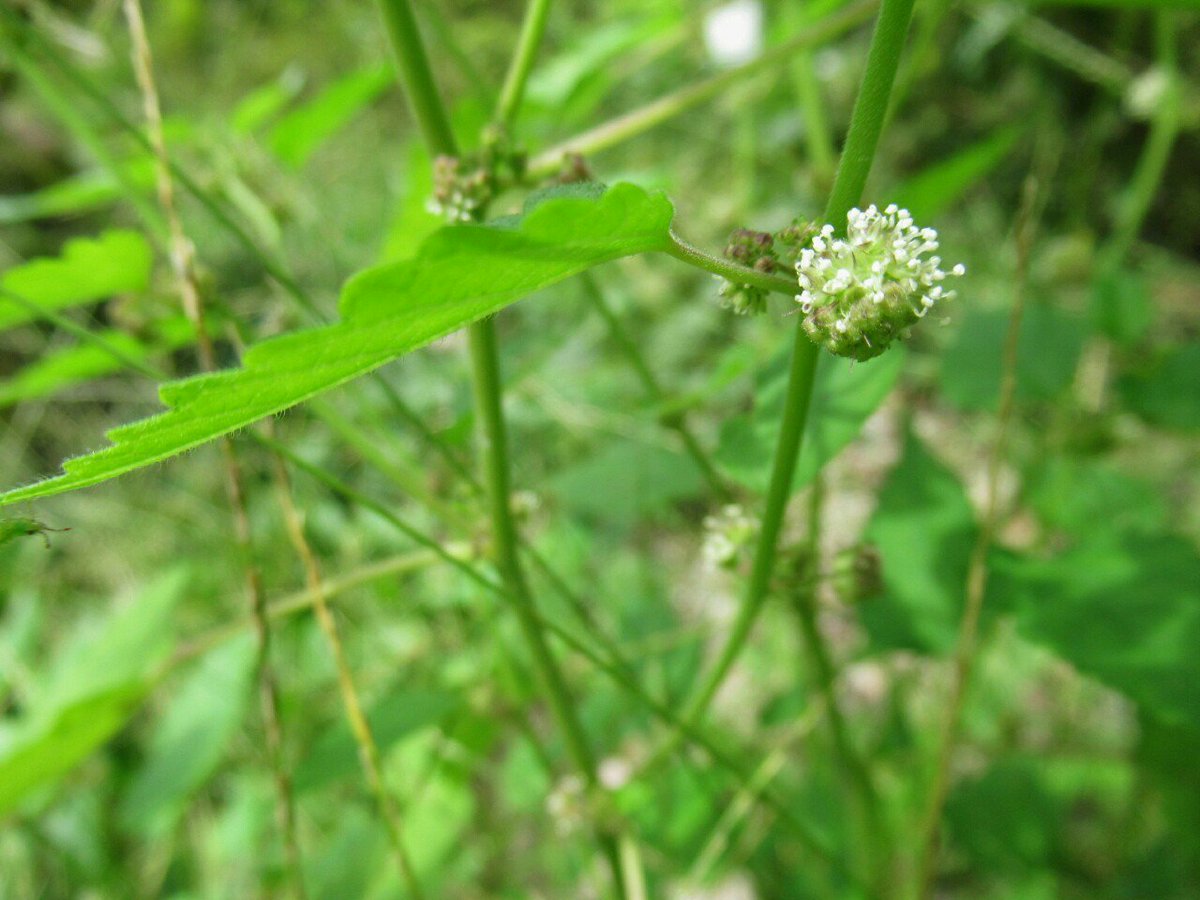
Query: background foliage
(132,757)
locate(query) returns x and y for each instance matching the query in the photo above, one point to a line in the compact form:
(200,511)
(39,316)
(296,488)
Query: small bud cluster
(464,186)
(754,250)
(727,534)
(859,294)
(763,252)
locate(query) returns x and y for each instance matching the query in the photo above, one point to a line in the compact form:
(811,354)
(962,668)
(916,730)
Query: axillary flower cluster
(861,292)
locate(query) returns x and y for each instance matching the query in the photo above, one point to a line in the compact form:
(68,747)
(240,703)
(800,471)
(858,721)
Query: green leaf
(125,646)
(1080,496)
(460,275)
(403,712)
(88,270)
(298,134)
(98,682)
(190,740)
(845,394)
(1005,819)
(924,529)
(1168,392)
(1125,611)
(1121,306)
(928,193)
(626,481)
(41,757)
(61,369)
(1049,346)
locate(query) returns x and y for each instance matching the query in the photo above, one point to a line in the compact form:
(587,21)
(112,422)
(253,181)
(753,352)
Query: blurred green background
(1077,771)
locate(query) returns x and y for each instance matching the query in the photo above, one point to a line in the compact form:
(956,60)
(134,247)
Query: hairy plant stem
(644,118)
(866,124)
(739,274)
(418,83)
(183,261)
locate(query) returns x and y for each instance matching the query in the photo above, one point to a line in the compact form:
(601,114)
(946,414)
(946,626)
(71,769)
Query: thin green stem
(1152,163)
(977,568)
(739,274)
(654,390)
(532,29)
(418,83)
(618,671)
(86,335)
(641,120)
(865,126)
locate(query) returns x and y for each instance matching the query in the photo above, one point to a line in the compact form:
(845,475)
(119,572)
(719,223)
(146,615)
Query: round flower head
(859,294)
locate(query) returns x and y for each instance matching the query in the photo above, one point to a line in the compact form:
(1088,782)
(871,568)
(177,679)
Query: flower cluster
(727,534)
(463,187)
(860,293)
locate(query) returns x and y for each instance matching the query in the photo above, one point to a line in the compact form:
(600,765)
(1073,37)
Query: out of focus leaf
(1077,496)
(626,482)
(932,190)
(1126,611)
(41,757)
(844,396)
(297,135)
(64,368)
(1005,819)
(1121,305)
(405,711)
(89,269)
(924,529)
(1049,348)
(190,739)
(1168,393)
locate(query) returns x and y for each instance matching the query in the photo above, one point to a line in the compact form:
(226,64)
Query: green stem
(739,274)
(416,77)
(532,29)
(419,87)
(644,118)
(617,670)
(676,422)
(865,126)
(1152,163)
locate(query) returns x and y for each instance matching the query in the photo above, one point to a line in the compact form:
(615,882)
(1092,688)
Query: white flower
(726,534)
(859,293)
(733,33)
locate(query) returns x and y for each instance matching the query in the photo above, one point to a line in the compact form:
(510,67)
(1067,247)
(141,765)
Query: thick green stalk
(416,77)
(419,87)
(532,29)
(865,126)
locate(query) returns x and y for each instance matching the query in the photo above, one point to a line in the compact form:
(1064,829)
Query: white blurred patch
(733,33)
